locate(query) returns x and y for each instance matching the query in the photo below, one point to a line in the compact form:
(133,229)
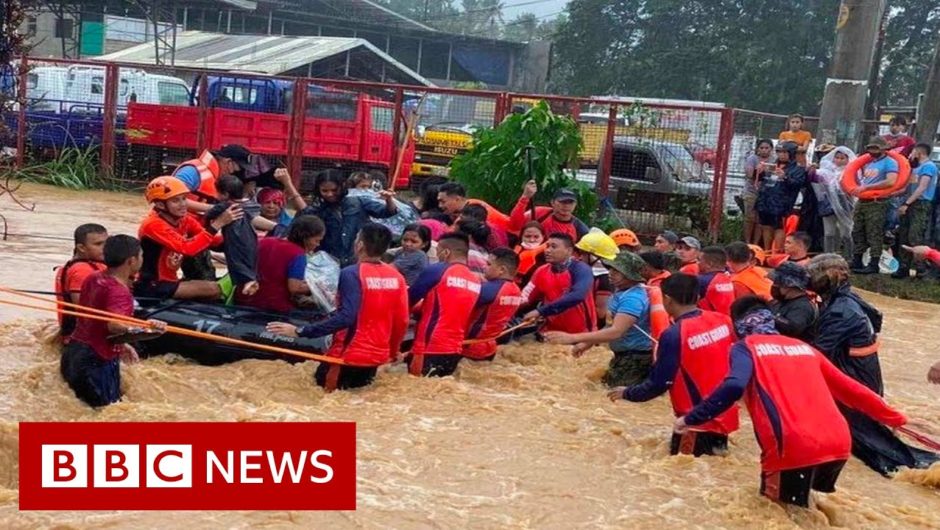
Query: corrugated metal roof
(255,53)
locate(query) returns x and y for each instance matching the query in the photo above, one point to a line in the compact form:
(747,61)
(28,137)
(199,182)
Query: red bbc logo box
(187,466)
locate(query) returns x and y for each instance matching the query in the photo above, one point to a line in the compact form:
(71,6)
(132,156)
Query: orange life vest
(756,282)
(659,318)
(208,168)
(528,259)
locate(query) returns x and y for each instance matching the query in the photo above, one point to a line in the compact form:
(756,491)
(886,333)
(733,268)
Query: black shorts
(93,379)
(698,443)
(772,220)
(156,289)
(440,365)
(792,486)
(348,377)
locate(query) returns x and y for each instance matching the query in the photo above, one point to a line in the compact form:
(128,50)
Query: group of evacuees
(867,212)
(708,325)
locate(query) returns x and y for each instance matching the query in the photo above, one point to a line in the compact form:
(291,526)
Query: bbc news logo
(187,466)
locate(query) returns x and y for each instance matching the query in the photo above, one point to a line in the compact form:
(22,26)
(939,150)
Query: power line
(486,9)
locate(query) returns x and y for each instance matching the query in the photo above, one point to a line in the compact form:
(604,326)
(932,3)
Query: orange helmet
(165,188)
(759,254)
(625,237)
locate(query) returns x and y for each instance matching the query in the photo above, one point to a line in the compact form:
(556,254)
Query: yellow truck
(436,145)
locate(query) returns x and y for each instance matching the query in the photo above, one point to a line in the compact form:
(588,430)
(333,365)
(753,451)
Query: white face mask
(530,246)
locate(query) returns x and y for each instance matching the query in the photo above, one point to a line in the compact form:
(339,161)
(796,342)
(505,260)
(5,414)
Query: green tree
(495,168)
(911,33)
(766,54)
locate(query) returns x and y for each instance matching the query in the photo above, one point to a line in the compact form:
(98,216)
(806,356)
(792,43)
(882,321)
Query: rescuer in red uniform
(565,286)
(691,361)
(791,392)
(499,301)
(449,291)
(370,320)
(716,290)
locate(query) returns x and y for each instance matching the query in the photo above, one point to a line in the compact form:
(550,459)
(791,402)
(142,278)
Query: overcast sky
(541,8)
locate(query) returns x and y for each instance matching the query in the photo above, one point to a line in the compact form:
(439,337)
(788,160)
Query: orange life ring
(850,181)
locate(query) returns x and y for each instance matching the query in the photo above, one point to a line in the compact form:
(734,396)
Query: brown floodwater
(529,441)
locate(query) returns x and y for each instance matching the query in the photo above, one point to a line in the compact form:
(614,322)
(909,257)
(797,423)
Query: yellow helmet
(598,243)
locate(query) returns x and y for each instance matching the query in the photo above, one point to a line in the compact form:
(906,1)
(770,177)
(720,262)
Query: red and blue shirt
(450,292)
(498,303)
(566,291)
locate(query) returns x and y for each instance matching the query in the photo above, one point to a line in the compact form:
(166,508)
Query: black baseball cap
(564,194)
(238,153)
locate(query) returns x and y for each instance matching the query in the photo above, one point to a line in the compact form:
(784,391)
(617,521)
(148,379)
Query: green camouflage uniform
(869,229)
(628,369)
(913,230)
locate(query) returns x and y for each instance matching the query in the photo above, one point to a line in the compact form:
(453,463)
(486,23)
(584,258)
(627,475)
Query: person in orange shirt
(797,135)
(87,259)
(689,249)
(655,269)
(747,280)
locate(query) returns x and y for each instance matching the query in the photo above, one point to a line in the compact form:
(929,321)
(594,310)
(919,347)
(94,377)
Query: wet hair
(375,238)
(303,227)
(474,211)
(802,238)
(654,259)
(478,232)
(506,258)
(357,178)
(533,224)
(428,193)
(925,147)
(83,231)
(763,141)
(739,252)
(231,186)
(746,304)
(330,175)
(683,288)
(796,115)
(898,120)
(423,232)
(453,189)
(714,257)
(563,237)
(456,242)
(120,248)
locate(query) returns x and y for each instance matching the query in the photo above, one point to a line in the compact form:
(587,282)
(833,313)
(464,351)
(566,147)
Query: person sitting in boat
(239,241)
(282,265)
(90,363)
(273,206)
(448,292)
(793,394)
(344,214)
(499,301)
(691,361)
(87,259)
(168,235)
(847,333)
(371,318)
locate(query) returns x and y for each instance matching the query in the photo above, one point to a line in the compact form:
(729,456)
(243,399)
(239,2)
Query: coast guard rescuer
(168,235)
(370,320)
(716,290)
(499,301)
(691,361)
(565,286)
(449,290)
(804,439)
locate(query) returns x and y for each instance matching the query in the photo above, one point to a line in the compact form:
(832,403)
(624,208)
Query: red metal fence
(656,163)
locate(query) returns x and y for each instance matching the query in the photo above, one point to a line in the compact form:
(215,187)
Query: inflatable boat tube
(243,323)
(850,176)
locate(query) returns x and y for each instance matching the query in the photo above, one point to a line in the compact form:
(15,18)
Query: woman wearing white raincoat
(835,206)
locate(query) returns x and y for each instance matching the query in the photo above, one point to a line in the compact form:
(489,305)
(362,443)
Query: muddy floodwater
(529,441)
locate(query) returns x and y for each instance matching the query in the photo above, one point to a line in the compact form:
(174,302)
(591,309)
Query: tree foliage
(495,168)
(770,55)
(911,33)
(482,18)
(12,46)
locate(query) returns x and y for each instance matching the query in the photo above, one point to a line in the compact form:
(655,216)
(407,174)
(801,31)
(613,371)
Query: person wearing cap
(780,185)
(629,333)
(654,269)
(626,240)
(170,234)
(794,313)
(689,249)
(666,243)
(746,278)
(559,218)
(691,361)
(868,232)
(594,247)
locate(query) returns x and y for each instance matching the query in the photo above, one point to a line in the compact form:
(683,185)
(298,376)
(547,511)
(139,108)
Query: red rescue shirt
(450,292)
(165,245)
(498,303)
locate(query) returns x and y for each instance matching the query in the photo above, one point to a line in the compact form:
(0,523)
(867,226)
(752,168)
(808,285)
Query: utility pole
(847,86)
(929,116)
